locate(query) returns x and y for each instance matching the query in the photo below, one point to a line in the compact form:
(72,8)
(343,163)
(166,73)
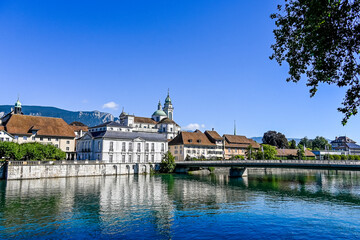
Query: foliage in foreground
(319,39)
(167,164)
(30,151)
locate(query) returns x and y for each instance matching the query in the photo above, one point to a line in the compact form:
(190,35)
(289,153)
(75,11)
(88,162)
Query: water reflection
(175,206)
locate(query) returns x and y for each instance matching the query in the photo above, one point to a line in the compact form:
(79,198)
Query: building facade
(238,145)
(5,136)
(115,143)
(45,130)
(345,144)
(187,145)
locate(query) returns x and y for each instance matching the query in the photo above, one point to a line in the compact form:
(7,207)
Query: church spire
(234,127)
(159,105)
(168,107)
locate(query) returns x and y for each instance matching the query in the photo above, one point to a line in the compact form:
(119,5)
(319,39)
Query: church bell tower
(168,107)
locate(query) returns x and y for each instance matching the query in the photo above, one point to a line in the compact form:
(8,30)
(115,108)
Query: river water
(272,204)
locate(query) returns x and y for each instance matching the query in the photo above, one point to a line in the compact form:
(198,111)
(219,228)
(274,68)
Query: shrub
(167,164)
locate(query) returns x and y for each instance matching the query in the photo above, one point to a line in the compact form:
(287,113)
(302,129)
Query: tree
(268,152)
(10,150)
(320,143)
(250,153)
(275,139)
(167,164)
(301,152)
(308,143)
(292,144)
(321,39)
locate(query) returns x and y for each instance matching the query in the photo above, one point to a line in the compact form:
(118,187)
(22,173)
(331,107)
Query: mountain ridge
(89,118)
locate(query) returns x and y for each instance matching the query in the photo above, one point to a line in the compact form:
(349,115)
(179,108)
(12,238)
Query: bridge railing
(317,162)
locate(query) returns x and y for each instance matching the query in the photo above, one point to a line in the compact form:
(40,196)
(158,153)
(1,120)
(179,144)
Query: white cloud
(111,105)
(193,126)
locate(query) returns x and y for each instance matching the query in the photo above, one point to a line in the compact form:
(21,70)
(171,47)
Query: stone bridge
(239,167)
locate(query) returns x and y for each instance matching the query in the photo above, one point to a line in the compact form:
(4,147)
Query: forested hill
(90,118)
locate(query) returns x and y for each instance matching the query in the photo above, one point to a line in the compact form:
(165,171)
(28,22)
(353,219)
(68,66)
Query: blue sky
(213,55)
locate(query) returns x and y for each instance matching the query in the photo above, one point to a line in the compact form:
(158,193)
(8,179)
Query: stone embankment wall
(56,169)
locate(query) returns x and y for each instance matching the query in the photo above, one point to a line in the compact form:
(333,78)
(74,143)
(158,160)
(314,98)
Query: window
(67,148)
(49,139)
(138,158)
(147,147)
(139,147)
(16,137)
(162,147)
(130,146)
(152,147)
(152,158)
(229,150)
(67,142)
(123,158)
(57,145)
(176,151)
(56,139)
(171,129)
(123,147)
(110,158)
(33,138)
(111,146)
(24,138)
(146,158)
(99,145)
(190,140)
(176,147)
(130,158)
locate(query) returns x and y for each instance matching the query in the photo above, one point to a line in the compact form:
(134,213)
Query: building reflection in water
(132,206)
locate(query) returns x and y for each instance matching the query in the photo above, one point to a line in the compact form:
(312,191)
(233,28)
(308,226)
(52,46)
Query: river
(268,204)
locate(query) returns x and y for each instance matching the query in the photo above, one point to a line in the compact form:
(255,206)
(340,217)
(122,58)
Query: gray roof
(110,124)
(155,137)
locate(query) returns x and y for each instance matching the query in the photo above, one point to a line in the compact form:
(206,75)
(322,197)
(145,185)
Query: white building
(115,143)
(208,145)
(5,136)
(161,121)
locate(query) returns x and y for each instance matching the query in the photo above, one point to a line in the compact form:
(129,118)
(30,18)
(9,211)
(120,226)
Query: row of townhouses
(134,139)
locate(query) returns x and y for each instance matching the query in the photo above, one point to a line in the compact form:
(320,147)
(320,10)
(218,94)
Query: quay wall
(36,170)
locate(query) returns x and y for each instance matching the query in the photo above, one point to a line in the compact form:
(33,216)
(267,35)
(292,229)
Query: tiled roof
(45,126)
(292,152)
(168,121)
(76,123)
(196,138)
(78,128)
(237,139)
(213,135)
(109,124)
(144,120)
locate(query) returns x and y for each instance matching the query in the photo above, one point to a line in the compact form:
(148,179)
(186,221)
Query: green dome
(159,113)
(18,103)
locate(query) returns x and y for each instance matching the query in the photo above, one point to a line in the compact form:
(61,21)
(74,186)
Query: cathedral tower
(168,107)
